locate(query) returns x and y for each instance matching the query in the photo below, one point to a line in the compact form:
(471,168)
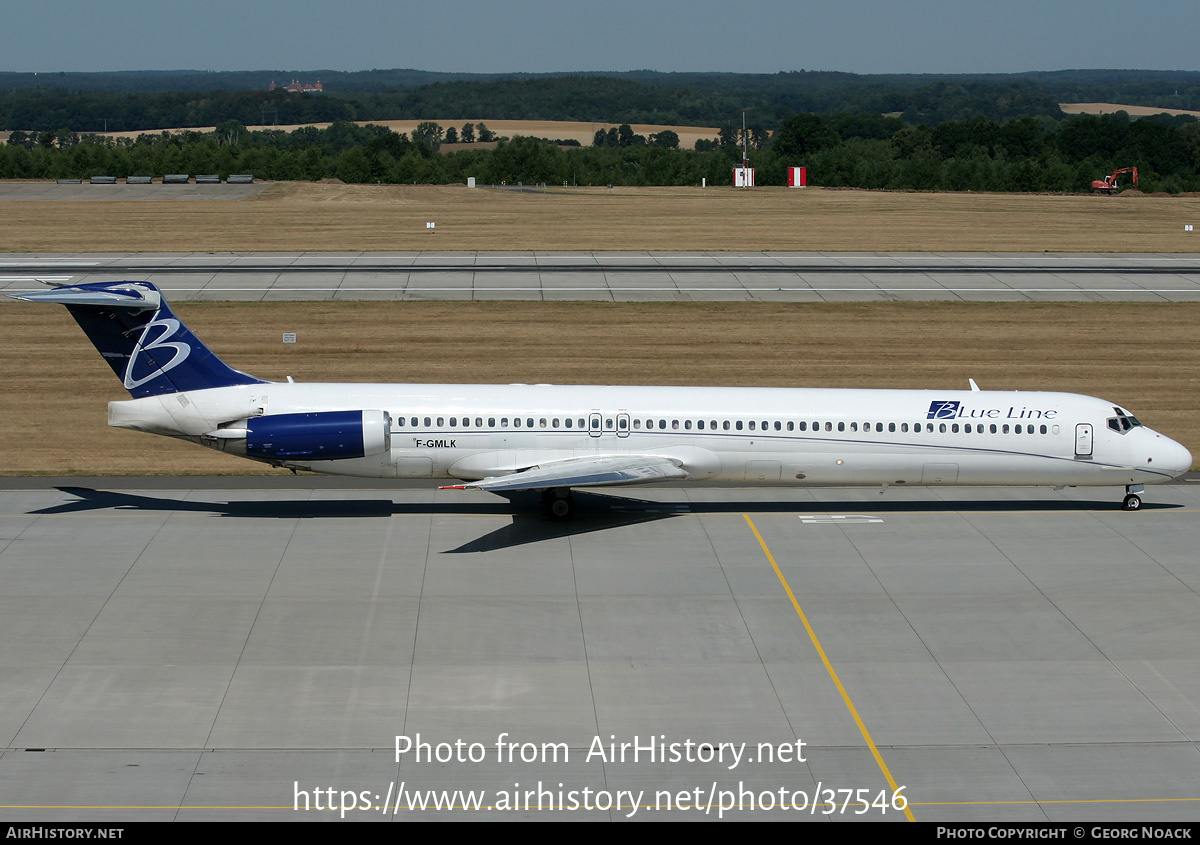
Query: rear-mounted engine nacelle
(323,436)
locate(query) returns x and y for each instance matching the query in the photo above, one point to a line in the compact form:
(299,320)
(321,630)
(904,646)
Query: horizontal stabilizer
(137,298)
(584,472)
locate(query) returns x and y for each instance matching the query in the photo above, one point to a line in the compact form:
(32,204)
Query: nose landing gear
(1133,497)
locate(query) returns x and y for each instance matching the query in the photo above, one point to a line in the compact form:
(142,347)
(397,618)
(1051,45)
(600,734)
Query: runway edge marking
(812,635)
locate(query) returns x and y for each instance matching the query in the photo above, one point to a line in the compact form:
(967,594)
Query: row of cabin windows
(516,422)
(735,425)
(803,425)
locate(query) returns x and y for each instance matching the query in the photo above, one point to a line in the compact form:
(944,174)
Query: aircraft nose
(1182,460)
(1171,456)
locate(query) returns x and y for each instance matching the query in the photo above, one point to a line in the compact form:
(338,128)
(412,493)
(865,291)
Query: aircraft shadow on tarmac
(594,511)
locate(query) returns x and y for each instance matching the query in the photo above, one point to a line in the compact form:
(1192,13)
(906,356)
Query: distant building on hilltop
(298,87)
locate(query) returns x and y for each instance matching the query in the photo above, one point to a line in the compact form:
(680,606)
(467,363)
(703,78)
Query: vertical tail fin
(146,345)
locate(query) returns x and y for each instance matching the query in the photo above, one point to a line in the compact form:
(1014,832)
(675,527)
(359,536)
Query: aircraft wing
(583,472)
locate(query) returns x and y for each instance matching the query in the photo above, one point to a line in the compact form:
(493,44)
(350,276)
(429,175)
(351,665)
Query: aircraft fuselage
(749,435)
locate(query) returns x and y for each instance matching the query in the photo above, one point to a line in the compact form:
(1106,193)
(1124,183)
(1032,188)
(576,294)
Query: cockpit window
(1123,421)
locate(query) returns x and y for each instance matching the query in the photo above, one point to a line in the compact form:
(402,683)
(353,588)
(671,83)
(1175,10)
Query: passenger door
(1083,440)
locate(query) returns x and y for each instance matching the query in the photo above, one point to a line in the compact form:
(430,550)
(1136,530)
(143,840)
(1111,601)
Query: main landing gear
(1133,498)
(558,503)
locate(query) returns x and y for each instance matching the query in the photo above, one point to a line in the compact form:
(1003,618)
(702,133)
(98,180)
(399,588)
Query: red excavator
(1108,185)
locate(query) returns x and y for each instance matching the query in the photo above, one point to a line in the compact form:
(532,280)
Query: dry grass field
(1144,356)
(334,217)
(1112,108)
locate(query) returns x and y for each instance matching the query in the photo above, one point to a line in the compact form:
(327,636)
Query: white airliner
(552,438)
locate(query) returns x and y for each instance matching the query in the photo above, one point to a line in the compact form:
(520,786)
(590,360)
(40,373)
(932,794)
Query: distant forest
(821,92)
(994,133)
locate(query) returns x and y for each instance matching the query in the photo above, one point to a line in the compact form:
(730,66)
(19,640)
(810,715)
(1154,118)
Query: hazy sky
(863,36)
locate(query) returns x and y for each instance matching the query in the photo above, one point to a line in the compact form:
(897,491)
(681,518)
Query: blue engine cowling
(322,436)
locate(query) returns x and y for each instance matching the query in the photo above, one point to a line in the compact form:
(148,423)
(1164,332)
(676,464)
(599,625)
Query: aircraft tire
(559,504)
(1132,502)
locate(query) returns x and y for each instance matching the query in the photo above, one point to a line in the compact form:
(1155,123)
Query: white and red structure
(743,176)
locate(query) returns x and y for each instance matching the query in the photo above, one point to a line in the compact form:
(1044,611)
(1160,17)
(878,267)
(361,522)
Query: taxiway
(212,652)
(630,277)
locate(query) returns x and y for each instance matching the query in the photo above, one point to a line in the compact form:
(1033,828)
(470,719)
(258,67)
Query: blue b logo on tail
(149,358)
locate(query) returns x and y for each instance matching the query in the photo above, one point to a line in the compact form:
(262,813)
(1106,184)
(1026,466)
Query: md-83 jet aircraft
(552,438)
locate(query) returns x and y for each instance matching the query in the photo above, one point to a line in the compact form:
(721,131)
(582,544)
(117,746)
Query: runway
(223,651)
(631,277)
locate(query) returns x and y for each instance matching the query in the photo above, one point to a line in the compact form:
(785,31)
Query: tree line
(863,151)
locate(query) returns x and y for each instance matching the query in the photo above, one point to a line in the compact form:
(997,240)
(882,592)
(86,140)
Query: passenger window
(491,422)
(791,425)
(904,426)
(891,426)
(954,428)
(1006,428)
(942,428)
(841,426)
(738,425)
(725,425)
(516,422)
(428,422)
(803,425)
(1043,429)
(829,426)
(854,426)
(622,423)
(529,422)
(441,421)
(967,428)
(752,425)
(778,425)
(993,428)
(687,424)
